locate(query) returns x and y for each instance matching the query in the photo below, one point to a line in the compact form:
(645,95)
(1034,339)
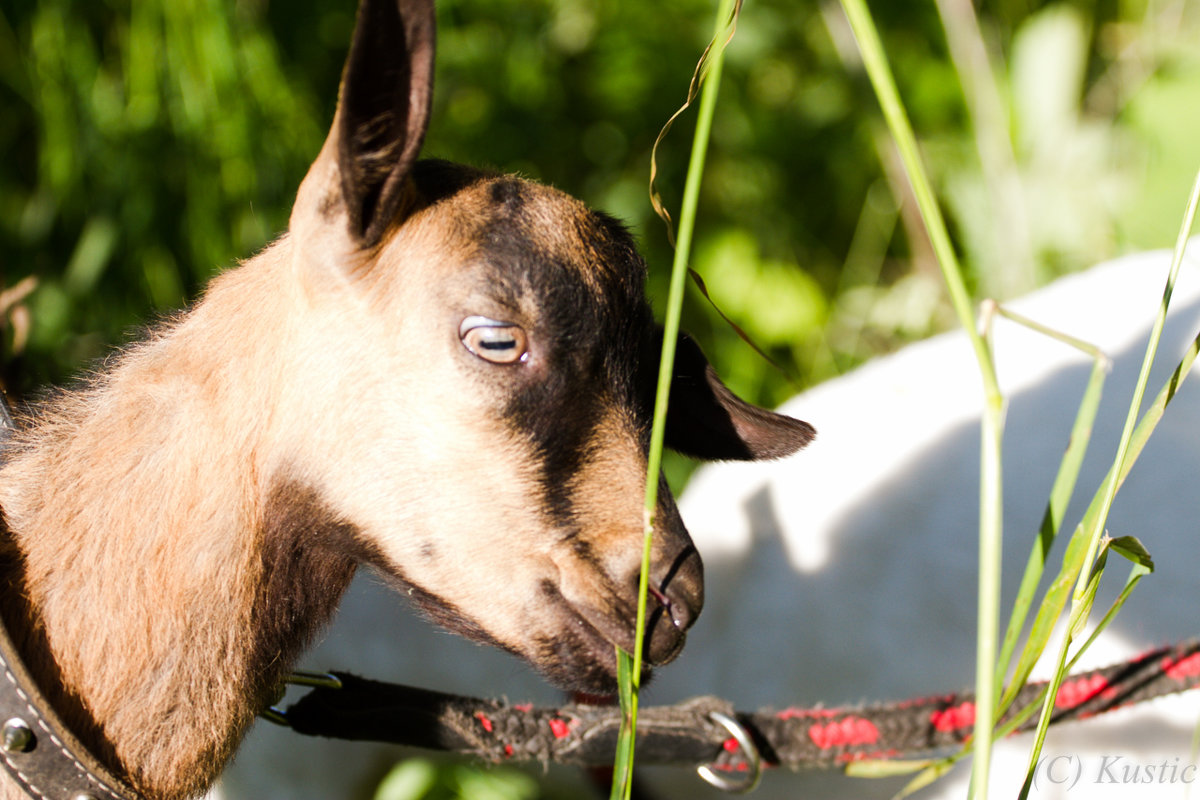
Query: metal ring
(753,758)
(323,680)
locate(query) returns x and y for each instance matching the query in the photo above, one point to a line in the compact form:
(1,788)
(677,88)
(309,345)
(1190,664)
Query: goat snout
(676,598)
(606,597)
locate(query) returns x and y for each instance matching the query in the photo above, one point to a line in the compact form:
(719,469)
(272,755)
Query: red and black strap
(685,734)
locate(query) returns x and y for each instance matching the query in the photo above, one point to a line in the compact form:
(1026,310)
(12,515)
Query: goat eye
(494,341)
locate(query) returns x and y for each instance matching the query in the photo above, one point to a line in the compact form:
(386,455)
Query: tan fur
(140,501)
(137,534)
(179,528)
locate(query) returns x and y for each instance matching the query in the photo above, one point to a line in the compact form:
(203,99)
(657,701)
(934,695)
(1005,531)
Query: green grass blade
(1145,427)
(1140,436)
(884,768)
(1051,608)
(1052,605)
(1144,375)
(1060,495)
(1048,695)
(1078,612)
(623,763)
(1148,422)
(1017,719)
(880,75)
(1132,548)
(992,427)
(629,676)
(926,777)
(931,771)
(1133,439)
(1136,573)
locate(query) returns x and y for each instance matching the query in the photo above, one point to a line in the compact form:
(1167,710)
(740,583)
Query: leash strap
(822,738)
(38,750)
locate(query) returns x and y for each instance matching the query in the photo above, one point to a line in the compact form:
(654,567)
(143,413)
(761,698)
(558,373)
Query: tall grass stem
(992,427)
(622,778)
(1133,437)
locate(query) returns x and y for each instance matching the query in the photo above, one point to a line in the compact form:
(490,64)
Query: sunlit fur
(147,507)
(182,524)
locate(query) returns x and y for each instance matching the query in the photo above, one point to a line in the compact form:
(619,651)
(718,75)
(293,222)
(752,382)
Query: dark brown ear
(706,420)
(383,110)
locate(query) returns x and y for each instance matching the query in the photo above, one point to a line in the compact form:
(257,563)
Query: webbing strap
(685,734)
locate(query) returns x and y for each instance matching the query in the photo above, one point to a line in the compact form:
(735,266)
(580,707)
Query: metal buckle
(324,680)
(753,759)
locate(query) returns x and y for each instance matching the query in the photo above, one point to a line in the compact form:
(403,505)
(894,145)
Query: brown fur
(179,528)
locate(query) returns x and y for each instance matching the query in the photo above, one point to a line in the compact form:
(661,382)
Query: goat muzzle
(674,604)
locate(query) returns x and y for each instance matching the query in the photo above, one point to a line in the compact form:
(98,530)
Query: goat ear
(383,110)
(706,420)
(360,180)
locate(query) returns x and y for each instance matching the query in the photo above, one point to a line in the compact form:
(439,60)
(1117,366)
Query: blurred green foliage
(150,144)
(431,779)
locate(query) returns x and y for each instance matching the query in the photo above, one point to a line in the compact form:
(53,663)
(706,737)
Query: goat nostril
(667,606)
(678,592)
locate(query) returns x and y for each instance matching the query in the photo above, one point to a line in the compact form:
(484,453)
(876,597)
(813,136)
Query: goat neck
(156,545)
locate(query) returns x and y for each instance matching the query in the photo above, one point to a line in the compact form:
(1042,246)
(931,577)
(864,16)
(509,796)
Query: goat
(848,572)
(439,372)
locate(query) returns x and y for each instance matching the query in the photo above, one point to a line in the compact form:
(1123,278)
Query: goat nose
(675,601)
